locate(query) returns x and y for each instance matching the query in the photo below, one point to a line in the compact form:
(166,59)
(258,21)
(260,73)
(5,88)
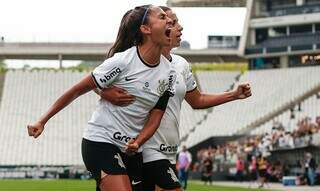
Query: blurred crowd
(247,158)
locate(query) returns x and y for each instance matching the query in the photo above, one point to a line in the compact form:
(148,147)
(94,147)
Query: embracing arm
(82,87)
(152,124)
(199,100)
(115,95)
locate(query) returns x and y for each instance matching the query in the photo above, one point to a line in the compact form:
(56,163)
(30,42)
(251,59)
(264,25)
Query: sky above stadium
(98,20)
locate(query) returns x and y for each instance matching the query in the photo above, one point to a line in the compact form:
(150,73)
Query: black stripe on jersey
(192,89)
(95,81)
(163,101)
(151,66)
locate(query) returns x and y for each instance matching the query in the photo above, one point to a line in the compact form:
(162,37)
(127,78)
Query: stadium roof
(206,3)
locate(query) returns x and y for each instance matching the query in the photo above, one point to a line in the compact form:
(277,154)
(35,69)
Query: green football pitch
(88,185)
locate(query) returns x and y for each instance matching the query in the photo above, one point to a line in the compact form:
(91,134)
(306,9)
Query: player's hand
(35,129)
(132,147)
(243,91)
(117,96)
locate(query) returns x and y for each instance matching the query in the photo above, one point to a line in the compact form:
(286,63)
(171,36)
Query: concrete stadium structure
(282,33)
(98,51)
(206,3)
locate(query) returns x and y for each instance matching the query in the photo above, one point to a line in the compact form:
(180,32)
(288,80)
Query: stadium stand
(26,95)
(216,81)
(24,98)
(272,90)
(213,82)
(2,77)
(289,119)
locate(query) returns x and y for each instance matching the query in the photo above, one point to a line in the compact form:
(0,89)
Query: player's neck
(150,53)
(166,52)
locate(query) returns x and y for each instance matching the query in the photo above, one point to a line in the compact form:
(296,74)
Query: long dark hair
(129,33)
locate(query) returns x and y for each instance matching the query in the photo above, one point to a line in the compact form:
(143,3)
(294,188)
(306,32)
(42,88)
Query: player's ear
(145,29)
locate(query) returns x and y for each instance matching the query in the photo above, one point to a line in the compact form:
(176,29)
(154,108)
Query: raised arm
(82,87)
(198,100)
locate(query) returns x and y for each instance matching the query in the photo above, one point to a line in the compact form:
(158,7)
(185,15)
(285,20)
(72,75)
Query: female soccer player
(159,152)
(135,64)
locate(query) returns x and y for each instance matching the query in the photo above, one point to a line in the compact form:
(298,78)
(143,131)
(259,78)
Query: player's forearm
(209,100)
(199,100)
(150,126)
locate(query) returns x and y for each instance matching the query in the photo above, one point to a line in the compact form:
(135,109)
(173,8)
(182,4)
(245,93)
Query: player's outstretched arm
(198,100)
(82,87)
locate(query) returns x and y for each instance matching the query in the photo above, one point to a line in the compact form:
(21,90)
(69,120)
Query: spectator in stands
(240,169)
(143,32)
(275,172)
(184,163)
(164,159)
(286,141)
(301,137)
(253,170)
(310,168)
(318,121)
(281,141)
(262,170)
(207,170)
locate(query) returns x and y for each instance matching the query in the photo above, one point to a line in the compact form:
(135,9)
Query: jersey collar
(144,62)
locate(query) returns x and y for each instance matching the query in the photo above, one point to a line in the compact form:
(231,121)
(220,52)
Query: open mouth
(167,32)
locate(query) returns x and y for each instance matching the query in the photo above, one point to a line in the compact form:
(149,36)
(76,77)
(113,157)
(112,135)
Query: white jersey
(117,125)
(164,143)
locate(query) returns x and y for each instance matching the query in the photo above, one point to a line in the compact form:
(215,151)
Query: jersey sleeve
(191,83)
(107,72)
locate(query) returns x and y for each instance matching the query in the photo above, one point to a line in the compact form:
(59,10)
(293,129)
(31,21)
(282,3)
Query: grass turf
(77,185)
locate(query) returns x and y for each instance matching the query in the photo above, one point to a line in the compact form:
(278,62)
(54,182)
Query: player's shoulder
(121,59)
(179,61)
(178,58)
(164,60)
(125,56)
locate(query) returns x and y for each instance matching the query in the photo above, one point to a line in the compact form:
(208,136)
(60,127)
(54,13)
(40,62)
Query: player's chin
(167,42)
(177,43)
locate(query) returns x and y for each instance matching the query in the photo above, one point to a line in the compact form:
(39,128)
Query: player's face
(160,26)
(176,31)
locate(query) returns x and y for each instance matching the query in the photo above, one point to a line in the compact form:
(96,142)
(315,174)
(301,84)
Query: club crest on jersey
(162,86)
